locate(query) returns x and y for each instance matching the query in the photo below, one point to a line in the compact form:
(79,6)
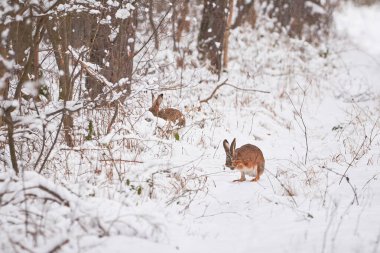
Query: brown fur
(168,114)
(247,159)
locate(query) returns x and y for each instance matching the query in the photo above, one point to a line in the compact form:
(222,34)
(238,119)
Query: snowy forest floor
(318,128)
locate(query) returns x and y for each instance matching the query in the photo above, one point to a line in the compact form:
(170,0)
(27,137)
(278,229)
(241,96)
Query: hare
(168,114)
(248,159)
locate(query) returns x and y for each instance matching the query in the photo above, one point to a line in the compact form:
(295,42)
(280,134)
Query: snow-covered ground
(324,213)
(319,193)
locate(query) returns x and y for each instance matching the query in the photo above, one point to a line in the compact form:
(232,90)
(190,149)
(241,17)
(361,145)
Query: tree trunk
(58,34)
(183,24)
(153,26)
(245,13)
(211,34)
(227,33)
(4,77)
(113,56)
(300,18)
(11,142)
(124,59)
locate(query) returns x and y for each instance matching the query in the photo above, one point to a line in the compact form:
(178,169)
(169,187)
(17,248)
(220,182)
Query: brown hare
(168,114)
(248,159)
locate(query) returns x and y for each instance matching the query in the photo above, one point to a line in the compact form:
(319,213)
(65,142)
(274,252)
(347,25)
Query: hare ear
(152,98)
(160,98)
(226,146)
(233,147)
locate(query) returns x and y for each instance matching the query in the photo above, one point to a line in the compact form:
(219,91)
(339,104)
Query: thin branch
(353,159)
(348,181)
(86,66)
(120,160)
(43,137)
(55,140)
(154,32)
(224,83)
(58,246)
(11,142)
(290,194)
(300,115)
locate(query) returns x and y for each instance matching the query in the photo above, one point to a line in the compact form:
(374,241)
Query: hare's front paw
(255,179)
(239,180)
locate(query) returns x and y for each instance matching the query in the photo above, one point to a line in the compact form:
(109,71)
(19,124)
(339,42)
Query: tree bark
(152,25)
(114,57)
(227,33)
(11,142)
(58,34)
(183,24)
(300,18)
(211,34)
(245,13)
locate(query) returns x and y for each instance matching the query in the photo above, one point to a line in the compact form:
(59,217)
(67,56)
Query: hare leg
(256,179)
(259,172)
(242,177)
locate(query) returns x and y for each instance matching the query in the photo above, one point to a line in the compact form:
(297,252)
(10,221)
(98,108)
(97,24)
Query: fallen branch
(224,83)
(90,71)
(120,160)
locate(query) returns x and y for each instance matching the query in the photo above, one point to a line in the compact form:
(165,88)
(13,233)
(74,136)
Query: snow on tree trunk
(211,34)
(308,19)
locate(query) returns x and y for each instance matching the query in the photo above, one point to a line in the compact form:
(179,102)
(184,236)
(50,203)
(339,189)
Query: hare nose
(228,166)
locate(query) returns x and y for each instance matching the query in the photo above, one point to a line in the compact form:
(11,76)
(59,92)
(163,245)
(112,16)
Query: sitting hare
(248,159)
(168,114)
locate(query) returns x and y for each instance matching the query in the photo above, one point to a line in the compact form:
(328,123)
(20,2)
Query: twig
(25,204)
(327,230)
(113,119)
(300,115)
(224,83)
(43,137)
(376,243)
(120,160)
(23,247)
(55,139)
(58,246)
(372,178)
(348,181)
(154,32)
(58,198)
(284,187)
(216,214)
(11,142)
(353,159)
(93,73)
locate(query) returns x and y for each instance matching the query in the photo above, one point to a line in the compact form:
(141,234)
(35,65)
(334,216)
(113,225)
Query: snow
(315,8)
(31,88)
(122,14)
(138,189)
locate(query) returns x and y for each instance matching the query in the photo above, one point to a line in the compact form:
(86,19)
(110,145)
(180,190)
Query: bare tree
(113,50)
(183,24)
(227,33)
(246,13)
(19,62)
(300,18)
(58,35)
(211,33)
(152,24)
